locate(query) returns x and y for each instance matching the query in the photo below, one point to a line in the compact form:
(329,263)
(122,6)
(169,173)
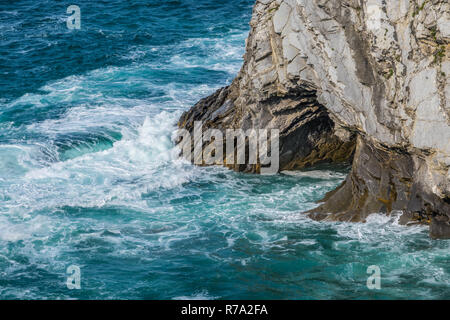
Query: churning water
(89,175)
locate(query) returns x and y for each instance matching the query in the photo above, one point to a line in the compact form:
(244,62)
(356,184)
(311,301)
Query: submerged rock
(333,76)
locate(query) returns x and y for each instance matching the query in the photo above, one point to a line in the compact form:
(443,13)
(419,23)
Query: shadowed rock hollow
(343,78)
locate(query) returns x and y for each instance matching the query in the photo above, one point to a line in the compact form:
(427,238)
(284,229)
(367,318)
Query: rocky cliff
(350,80)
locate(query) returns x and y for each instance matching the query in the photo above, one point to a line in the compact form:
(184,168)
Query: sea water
(90,177)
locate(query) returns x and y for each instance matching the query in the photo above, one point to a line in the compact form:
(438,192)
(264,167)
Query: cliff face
(343,79)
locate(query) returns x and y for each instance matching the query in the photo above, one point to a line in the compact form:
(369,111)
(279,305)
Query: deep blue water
(89,175)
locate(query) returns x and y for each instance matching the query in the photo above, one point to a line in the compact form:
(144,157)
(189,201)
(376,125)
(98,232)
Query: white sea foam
(316,174)
(202,295)
(377,227)
(132,166)
(144,160)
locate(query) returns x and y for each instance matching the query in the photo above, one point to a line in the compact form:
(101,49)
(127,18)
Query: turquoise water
(89,175)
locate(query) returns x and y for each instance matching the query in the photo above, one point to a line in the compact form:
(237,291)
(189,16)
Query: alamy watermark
(74,277)
(374,280)
(209,147)
(74,21)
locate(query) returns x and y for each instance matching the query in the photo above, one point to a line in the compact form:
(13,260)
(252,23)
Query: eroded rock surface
(332,74)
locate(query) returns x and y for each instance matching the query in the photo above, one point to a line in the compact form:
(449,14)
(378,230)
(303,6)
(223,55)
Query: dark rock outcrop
(307,135)
(384,180)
